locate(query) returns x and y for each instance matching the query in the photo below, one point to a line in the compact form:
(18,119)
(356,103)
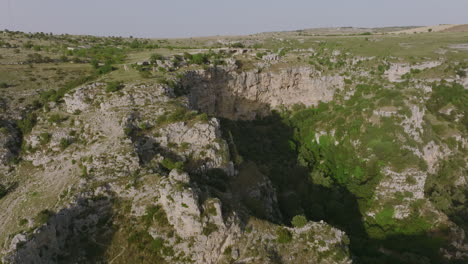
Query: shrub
(157,244)
(44,138)
(27,123)
(283,235)
(56,96)
(199,59)
(56,118)
(23,222)
(3,85)
(209,228)
(461,73)
(113,86)
(237,45)
(28,45)
(64,143)
(43,216)
(106,68)
(260,55)
(155,57)
(282,52)
(159,215)
(3,190)
(299,221)
(170,164)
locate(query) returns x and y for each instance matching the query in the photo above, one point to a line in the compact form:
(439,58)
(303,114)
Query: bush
(155,57)
(113,86)
(3,85)
(28,45)
(199,59)
(106,68)
(299,221)
(283,235)
(27,123)
(155,213)
(43,216)
(260,55)
(170,164)
(237,45)
(64,143)
(56,96)
(3,191)
(209,228)
(157,244)
(56,118)
(44,138)
(461,73)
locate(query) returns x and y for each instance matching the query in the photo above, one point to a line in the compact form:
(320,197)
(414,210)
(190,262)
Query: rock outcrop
(227,93)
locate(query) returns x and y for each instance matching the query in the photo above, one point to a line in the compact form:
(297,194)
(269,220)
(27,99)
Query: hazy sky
(186,18)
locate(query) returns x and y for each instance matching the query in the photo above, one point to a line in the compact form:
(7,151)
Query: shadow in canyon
(78,234)
(262,143)
(268,144)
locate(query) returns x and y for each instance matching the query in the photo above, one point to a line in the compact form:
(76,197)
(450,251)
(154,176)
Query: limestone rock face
(249,94)
(181,204)
(397,70)
(115,159)
(202,140)
(80,100)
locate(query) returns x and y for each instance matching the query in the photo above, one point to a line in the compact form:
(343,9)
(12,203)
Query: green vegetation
(27,123)
(155,214)
(57,95)
(64,143)
(179,114)
(155,57)
(209,228)
(299,221)
(283,235)
(169,164)
(445,195)
(3,191)
(56,118)
(145,243)
(326,177)
(113,86)
(44,138)
(42,217)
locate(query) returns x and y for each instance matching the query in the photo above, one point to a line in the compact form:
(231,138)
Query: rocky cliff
(228,93)
(117,158)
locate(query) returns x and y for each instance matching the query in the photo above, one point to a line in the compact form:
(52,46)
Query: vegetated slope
(258,150)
